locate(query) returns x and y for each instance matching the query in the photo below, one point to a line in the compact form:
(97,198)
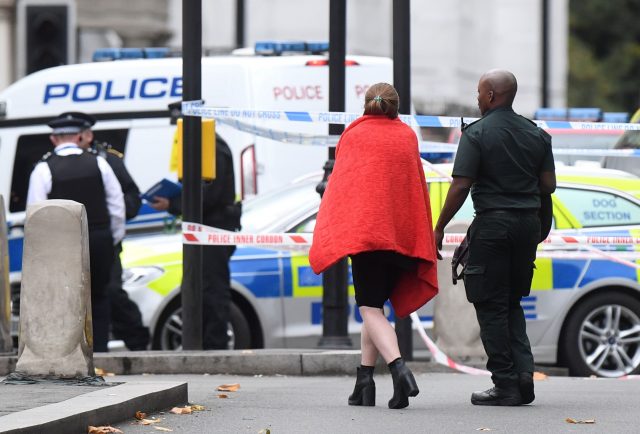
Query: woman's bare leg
(380,332)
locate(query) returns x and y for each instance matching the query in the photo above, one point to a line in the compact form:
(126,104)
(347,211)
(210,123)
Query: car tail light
(325,62)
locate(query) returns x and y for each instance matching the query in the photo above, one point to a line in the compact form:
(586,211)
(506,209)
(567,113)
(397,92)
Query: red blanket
(377,199)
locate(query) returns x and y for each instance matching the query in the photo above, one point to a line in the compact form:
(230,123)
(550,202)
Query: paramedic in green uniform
(506,162)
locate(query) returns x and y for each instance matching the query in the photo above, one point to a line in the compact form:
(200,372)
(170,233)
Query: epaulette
(523,117)
(46,156)
(115,152)
(92,151)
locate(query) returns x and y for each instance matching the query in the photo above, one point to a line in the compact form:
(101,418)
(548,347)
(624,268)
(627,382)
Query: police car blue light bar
(615,117)
(108,54)
(274,48)
(585,114)
(580,115)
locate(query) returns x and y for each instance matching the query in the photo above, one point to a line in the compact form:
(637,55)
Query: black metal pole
(240,18)
(335,281)
(545,54)
(402,83)
(191,171)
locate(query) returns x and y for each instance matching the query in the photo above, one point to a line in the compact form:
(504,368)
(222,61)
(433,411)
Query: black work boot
(526,387)
(404,385)
(365,391)
(508,396)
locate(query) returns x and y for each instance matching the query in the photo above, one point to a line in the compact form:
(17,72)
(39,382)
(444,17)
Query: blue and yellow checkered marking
(529,307)
(305,282)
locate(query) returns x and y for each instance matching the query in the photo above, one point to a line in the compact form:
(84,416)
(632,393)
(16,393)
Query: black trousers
(126,319)
(101,254)
(216,296)
(502,250)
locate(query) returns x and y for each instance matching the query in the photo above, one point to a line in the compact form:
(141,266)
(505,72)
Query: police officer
(126,319)
(218,210)
(507,163)
(71,173)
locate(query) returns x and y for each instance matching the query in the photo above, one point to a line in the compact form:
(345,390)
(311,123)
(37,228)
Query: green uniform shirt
(504,153)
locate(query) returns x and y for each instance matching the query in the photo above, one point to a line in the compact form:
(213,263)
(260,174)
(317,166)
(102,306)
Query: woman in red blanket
(376,210)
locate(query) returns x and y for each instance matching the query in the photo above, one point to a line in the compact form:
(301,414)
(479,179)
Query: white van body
(130,98)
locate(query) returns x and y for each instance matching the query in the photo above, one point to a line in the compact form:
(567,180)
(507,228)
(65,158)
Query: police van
(129,91)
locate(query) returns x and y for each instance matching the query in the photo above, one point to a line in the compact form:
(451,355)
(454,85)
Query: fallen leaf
(580,421)
(264,431)
(222,395)
(539,376)
(140,415)
(181,410)
(103,373)
(149,421)
(196,407)
(103,429)
(229,387)
(161,428)
(483,429)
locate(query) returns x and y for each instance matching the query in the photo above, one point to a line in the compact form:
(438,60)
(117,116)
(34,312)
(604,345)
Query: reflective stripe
(542,275)
(636,233)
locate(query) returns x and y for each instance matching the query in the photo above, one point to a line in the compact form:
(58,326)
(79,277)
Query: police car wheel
(168,333)
(602,336)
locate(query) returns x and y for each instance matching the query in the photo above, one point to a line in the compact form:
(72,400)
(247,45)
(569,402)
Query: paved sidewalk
(48,407)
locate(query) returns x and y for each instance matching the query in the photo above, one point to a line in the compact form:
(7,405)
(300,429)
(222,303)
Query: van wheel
(168,332)
(602,336)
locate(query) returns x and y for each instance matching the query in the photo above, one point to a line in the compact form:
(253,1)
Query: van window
(598,208)
(31,148)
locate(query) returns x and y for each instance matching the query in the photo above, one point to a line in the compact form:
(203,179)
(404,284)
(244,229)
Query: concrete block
(6,343)
(455,325)
(55,335)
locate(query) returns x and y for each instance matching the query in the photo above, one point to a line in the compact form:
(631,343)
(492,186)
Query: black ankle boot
(365,391)
(404,385)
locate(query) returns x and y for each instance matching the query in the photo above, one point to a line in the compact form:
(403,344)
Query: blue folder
(164,188)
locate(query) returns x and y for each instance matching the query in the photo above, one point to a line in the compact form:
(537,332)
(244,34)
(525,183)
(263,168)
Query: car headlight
(138,276)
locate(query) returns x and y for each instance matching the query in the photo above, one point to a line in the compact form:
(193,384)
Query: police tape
(197,108)
(565,240)
(439,356)
(424,146)
(196,233)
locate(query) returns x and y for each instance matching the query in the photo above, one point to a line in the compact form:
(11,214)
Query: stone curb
(103,407)
(249,362)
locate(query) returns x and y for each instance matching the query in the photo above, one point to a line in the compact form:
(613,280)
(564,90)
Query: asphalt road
(319,405)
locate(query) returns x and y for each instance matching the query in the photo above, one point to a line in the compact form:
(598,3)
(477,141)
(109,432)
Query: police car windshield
(278,209)
(629,140)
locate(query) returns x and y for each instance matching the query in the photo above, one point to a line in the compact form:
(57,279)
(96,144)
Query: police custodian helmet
(71,123)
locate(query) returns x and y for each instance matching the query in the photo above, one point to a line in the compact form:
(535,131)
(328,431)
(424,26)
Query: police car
(583,313)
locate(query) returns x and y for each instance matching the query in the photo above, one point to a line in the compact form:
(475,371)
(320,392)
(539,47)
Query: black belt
(508,211)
